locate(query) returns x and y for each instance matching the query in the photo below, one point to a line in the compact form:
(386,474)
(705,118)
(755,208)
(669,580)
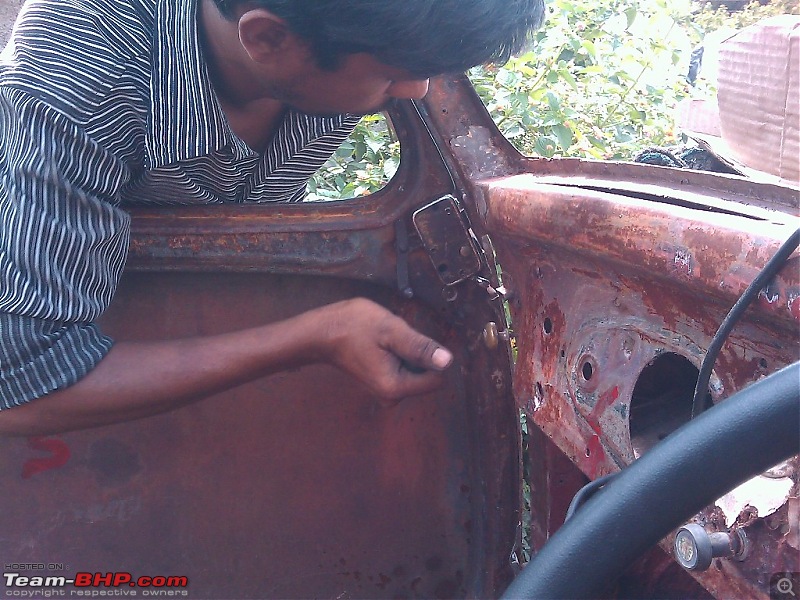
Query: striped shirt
(104,103)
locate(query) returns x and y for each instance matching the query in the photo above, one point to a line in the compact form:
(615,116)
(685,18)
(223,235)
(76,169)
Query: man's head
(422,37)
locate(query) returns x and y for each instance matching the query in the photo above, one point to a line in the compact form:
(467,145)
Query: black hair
(424,37)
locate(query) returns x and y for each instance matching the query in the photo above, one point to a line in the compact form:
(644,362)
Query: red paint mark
(595,453)
(604,402)
(59,456)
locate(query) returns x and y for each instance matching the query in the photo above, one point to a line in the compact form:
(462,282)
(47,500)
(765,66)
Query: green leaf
(637,115)
(359,151)
(390,167)
(545,146)
(537,95)
(376,145)
(564,136)
(567,76)
(630,13)
(553,101)
(596,142)
(520,100)
(589,46)
(566,55)
(514,131)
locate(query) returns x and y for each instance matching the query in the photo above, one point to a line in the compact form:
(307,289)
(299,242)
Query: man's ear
(266,37)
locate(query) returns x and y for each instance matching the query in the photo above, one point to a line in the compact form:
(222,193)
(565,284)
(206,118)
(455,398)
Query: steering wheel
(700,462)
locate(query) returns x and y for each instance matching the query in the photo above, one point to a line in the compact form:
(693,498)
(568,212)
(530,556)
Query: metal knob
(695,548)
(492,335)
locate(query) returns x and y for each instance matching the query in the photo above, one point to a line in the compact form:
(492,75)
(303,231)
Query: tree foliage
(600,82)
(363,164)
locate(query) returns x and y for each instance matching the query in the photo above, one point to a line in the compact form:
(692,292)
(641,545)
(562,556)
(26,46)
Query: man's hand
(381,350)
(138,380)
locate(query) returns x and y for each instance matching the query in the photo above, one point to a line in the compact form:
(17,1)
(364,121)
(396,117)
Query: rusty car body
(615,277)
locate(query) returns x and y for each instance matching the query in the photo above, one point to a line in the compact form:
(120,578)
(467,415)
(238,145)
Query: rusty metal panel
(608,285)
(294,486)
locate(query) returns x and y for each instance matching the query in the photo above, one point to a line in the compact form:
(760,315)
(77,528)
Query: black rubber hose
(586,492)
(769,271)
(700,462)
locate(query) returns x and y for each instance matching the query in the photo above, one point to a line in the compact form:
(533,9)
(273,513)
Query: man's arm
(137,380)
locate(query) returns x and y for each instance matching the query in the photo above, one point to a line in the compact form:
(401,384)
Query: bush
(601,81)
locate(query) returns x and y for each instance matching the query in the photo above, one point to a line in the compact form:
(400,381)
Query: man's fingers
(383,351)
(442,358)
(421,361)
(418,351)
(405,384)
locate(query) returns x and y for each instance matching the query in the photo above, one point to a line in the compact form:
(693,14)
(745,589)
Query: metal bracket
(446,237)
(401,250)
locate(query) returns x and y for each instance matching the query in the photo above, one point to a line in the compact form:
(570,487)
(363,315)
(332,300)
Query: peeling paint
(683,258)
(764,494)
(794,306)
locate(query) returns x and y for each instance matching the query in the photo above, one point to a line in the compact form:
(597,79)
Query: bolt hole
(587,371)
(450,294)
(444,111)
(548,326)
(762,362)
(588,453)
(563,353)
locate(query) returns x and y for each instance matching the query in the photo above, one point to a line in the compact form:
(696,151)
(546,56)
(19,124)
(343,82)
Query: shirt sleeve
(63,244)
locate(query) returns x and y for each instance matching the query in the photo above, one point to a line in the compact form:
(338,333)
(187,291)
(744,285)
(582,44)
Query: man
(109,102)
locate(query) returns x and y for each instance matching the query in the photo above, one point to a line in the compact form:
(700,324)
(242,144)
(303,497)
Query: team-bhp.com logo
(118,584)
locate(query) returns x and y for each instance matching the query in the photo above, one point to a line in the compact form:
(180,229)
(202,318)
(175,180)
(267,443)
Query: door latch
(448,241)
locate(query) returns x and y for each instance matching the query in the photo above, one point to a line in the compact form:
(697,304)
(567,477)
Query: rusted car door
(298,485)
(617,276)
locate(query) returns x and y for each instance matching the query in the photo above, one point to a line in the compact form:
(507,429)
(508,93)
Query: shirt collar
(186,120)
